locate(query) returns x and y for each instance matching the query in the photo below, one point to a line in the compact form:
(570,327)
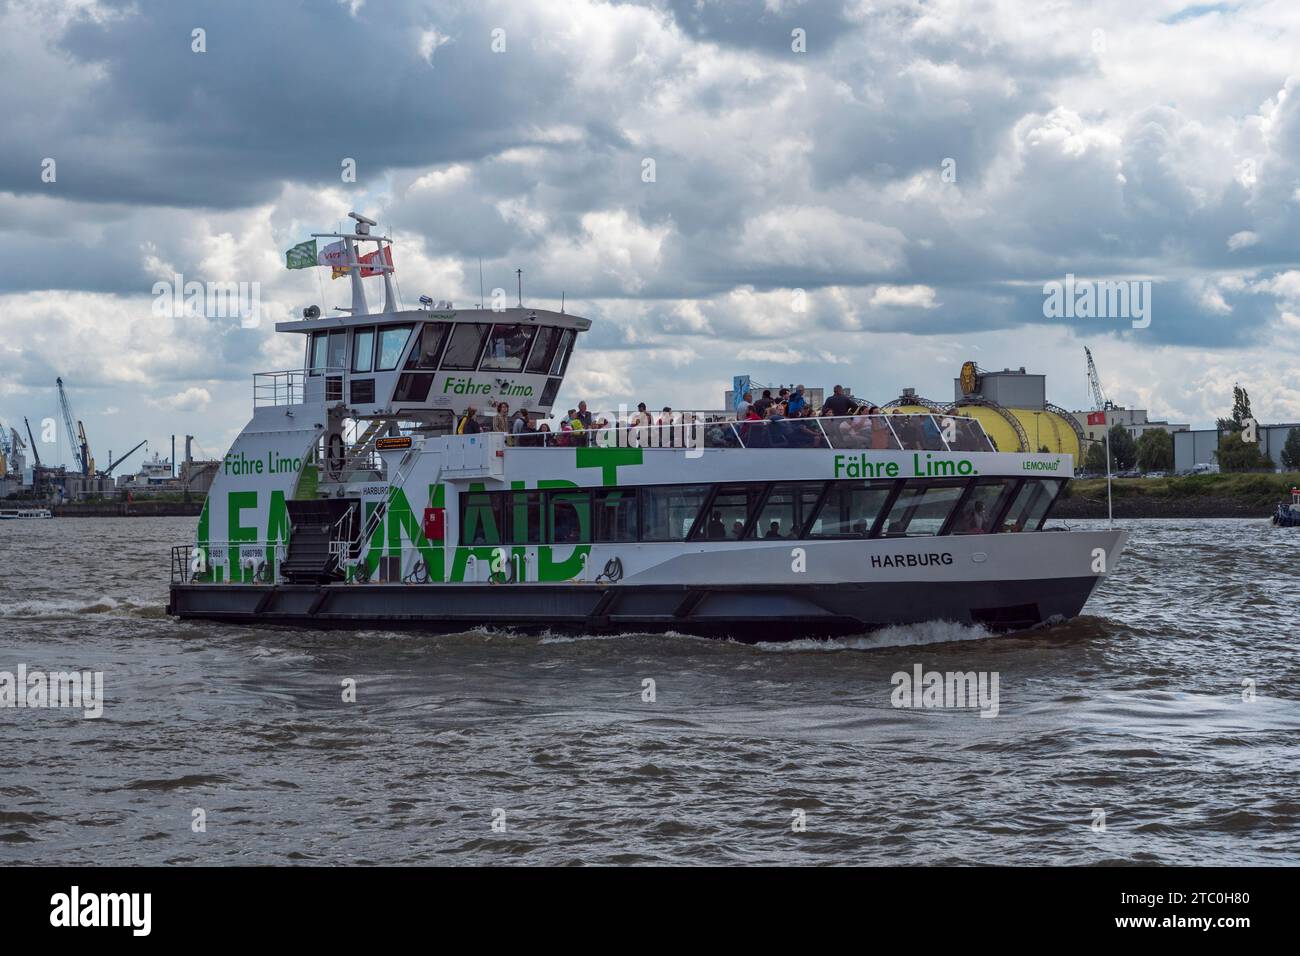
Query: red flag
(368,263)
(1096,418)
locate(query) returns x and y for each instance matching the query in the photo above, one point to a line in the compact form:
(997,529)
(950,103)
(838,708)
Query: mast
(380,263)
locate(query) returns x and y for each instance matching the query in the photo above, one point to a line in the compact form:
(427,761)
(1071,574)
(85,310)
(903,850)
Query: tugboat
(1288,512)
(355,498)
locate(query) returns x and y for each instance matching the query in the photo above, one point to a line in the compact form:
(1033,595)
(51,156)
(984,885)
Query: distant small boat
(1288,513)
(15,513)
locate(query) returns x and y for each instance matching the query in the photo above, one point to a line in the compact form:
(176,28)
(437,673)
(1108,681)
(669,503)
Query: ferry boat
(25,513)
(351,500)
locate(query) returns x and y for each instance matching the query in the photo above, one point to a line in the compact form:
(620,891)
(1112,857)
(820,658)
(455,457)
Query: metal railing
(190,563)
(296,385)
(896,432)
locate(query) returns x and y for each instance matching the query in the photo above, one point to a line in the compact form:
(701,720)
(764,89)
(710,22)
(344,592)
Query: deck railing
(296,385)
(898,432)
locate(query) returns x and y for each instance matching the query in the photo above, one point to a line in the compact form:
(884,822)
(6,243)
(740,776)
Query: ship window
(466,342)
(788,507)
(728,514)
(540,360)
(480,520)
(507,346)
(921,508)
(426,351)
(363,350)
(667,512)
(561,360)
(851,509)
(412,388)
(615,512)
(319,344)
(1030,505)
(981,508)
(917,432)
(361,391)
(569,516)
(392,343)
(336,351)
(525,517)
(549,392)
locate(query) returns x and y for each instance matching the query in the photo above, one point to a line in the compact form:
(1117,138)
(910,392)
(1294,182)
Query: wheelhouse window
(561,359)
(1030,505)
(363,350)
(328,350)
(787,509)
(669,511)
(465,345)
(539,362)
(507,347)
(428,347)
(921,508)
(851,509)
(392,343)
(980,510)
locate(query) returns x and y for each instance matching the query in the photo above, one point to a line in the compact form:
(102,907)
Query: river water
(1135,710)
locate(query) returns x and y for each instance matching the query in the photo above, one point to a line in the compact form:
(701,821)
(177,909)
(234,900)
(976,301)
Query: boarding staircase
(348,548)
(309,559)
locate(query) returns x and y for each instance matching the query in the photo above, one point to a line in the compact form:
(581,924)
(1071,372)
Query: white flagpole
(1110,508)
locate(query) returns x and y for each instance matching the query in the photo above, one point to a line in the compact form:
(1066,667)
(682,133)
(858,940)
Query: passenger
(838,404)
(468,425)
(746,403)
(881,437)
(501,420)
(544,435)
(754,433)
(519,428)
(797,403)
(716,530)
(666,431)
(584,416)
(763,404)
(974,519)
(773,530)
(738,529)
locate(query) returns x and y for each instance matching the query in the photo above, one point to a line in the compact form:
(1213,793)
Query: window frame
(478,355)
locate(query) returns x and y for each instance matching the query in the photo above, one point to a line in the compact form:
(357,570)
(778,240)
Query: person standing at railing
(838,404)
(468,425)
(501,420)
(519,428)
(797,403)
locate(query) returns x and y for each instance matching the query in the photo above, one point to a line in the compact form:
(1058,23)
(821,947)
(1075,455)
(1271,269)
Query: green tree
(1095,460)
(1237,455)
(1291,450)
(1240,411)
(1155,450)
(1123,449)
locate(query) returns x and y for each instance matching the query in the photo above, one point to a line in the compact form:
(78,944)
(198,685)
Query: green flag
(301,256)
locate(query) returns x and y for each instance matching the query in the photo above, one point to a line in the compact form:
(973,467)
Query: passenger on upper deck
(797,403)
(501,420)
(468,425)
(838,404)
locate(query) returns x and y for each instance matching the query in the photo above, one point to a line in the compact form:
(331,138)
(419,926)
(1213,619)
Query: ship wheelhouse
(429,366)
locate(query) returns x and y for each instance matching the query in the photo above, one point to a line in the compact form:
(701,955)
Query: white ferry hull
(1001,582)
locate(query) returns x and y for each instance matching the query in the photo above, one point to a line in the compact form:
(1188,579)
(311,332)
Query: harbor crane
(1099,399)
(82,447)
(6,451)
(35,451)
(113,464)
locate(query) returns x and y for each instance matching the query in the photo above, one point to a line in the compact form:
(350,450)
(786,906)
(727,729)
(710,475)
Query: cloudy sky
(918,169)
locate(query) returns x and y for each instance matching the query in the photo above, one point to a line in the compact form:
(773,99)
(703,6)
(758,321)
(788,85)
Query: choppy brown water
(1135,708)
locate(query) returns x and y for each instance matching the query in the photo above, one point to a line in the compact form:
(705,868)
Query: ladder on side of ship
(380,511)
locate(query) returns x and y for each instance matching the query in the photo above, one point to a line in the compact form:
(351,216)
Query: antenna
(519,274)
(480,282)
(561,302)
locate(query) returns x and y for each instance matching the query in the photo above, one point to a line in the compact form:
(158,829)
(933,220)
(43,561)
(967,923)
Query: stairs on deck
(308,560)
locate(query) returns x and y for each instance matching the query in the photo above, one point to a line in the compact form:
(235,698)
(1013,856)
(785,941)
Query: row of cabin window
(461,346)
(787,509)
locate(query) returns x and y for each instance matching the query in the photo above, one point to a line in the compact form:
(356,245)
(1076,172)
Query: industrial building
(1197,446)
